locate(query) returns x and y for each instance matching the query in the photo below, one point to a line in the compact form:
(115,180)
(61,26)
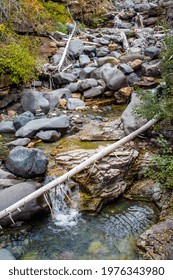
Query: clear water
(109,235)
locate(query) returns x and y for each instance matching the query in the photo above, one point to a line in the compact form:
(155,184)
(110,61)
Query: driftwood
(105,151)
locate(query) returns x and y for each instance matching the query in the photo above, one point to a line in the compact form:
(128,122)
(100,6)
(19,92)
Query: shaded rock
(125,68)
(113,78)
(5,183)
(106,180)
(26,162)
(7,127)
(6,255)
(54,96)
(86,84)
(59,124)
(152,52)
(89,49)
(151,69)
(86,72)
(22,119)
(131,121)
(156,243)
(63,78)
(19,142)
(93,92)
(84,60)
(73,103)
(132,79)
(6,175)
(33,100)
(76,48)
(13,194)
(48,136)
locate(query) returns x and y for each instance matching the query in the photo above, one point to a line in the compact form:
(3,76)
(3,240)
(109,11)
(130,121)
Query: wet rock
(74,103)
(19,142)
(131,121)
(156,243)
(54,96)
(76,48)
(7,127)
(59,124)
(6,175)
(22,119)
(86,84)
(152,52)
(26,162)
(106,177)
(13,194)
(6,255)
(5,183)
(151,69)
(63,78)
(86,72)
(48,136)
(33,100)
(113,78)
(84,60)
(93,92)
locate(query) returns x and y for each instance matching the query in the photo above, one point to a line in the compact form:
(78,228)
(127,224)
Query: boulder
(63,78)
(13,194)
(131,121)
(76,48)
(19,142)
(113,77)
(26,162)
(22,119)
(73,103)
(33,100)
(59,124)
(6,255)
(48,136)
(7,127)
(54,96)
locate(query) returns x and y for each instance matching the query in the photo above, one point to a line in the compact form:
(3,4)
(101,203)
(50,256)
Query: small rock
(125,68)
(7,127)
(114,78)
(86,72)
(86,84)
(103,51)
(93,92)
(48,136)
(76,48)
(74,103)
(63,78)
(6,255)
(151,69)
(136,64)
(6,175)
(152,52)
(84,60)
(19,142)
(22,119)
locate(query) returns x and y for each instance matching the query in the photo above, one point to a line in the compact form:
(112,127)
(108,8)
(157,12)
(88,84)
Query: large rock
(13,194)
(33,100)
(48,136)
(130,120)
(7,127)
(22,119)
(106,178)
(26,162)
(113,78)
(54,96)
(59,124)
(76,48)
(63,78)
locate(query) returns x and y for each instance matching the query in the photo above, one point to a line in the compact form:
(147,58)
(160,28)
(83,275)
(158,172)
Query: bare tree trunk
(105,151)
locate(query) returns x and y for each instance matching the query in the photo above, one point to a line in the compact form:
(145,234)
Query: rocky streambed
(72,113)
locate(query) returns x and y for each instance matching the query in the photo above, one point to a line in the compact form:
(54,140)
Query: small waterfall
(65,206)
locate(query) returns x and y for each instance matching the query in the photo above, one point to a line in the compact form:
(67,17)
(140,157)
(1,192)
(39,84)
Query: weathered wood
(105,151)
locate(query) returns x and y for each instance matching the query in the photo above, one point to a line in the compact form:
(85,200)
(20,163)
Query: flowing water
(109,235)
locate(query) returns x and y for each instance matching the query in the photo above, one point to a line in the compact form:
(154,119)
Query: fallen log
(105,151)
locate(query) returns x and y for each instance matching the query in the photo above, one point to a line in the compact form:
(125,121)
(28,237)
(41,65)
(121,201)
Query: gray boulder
(22,119)
(93,92)
(76,48)
(48,136)
(54,96)
(13,194)
(73,103)
(6,255)
(26,162)
(6,175)
(33,100)
(86,84)
(59,124)
(7,127)
(131,121)
(114,78)
(19,142)
(63,78)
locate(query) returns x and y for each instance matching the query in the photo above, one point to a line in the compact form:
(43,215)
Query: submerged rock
(26,162)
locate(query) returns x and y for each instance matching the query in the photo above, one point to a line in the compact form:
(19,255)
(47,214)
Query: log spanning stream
(109,235)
